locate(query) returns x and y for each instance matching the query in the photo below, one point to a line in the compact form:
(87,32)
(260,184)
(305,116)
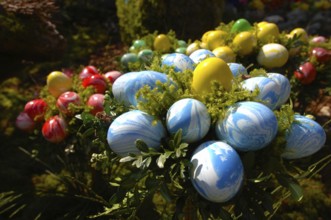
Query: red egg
(24,122)
(322,55)
(55,129)
(64,100)
(36,109)
(96,102)
(88,71)
(306,73)
(112,76)
(97,81)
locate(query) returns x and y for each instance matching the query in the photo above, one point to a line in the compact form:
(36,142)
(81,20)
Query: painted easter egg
(225,53)
(145,56)
(321,54)
(241,25)
(285,87)
(139,44)
(129,58)
(55,129)
(66,99)
(36,109)
(299,32)
(318,39)
(112,75)
(269,90)
(58,83)
(267,32)
(191,116)
(205,35)
(209,70)
(247,126)
(125,87)
(88,71)
(162,43)
(95,102)
(24,122)
(244,42)
(237,69)
(98,82)
(304,138)
(181,50)
(201,54)
(216,39)
(131,126)
(180,62)
(192,47)
(272,55)
(182,43)
(217,171)
(306,73)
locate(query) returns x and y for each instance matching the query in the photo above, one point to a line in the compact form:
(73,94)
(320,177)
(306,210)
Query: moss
(189,19)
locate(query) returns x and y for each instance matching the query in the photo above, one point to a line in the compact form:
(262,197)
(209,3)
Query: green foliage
(188,19)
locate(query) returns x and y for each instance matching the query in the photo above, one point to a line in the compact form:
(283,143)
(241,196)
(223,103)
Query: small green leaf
(141,145)
(290,183)
(126,159)
(178,137)
(161,160)
(165,192)
(138,162)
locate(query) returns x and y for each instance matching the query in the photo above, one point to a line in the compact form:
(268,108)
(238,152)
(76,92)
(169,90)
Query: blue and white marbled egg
(191,116)
(285,87)
(179,61)
(201,54)
(131,126)
(217,171)
(237,69)
(127,85)
(247,126)
(304,138)
(269,90)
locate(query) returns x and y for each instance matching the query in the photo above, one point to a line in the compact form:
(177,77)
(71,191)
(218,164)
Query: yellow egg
(204,45)
(225,53)
(267,32)
(192,47)
(162,43)
(209,70)
(272,55)
(260,24)
(216,39)
(204,36)
(58,83)
(299,31)
(245,42)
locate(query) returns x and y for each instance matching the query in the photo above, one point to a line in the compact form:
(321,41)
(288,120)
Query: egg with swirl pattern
(126,86)
(200,55)
(285,87)
(269,90)
(191,116)
(180,62)
(217,171)
(304,138)
(247,126)
(127,128)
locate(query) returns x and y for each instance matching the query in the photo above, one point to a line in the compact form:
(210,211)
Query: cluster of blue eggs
(217,172)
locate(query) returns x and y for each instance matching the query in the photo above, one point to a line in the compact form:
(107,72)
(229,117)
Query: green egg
(145,56)
(181,50)
(241,25)
(181,43)
(139,44)
(129,58)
